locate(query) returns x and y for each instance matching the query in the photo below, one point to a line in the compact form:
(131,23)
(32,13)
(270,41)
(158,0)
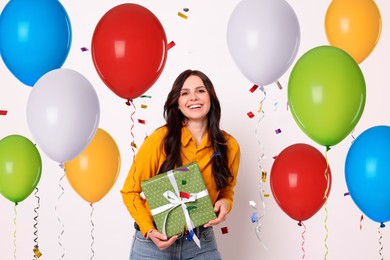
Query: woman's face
(194,99)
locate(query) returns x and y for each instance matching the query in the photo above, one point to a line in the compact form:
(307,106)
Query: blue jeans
(182,249)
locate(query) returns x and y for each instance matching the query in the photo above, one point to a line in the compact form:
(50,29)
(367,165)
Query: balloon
(20,167)
(63,113)
(263,38)
(367,172)
(93,172)
(354,26)
(326,94)
(300,181)
(129,49)
(35,38)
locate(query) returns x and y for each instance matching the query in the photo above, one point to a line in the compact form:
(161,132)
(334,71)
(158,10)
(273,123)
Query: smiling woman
(191,134)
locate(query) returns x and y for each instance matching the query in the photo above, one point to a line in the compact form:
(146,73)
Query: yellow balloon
(94,172)
(354,26)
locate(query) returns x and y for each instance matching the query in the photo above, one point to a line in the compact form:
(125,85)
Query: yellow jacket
(150,157)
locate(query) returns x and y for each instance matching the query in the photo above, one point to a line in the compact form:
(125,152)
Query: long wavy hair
(175,120)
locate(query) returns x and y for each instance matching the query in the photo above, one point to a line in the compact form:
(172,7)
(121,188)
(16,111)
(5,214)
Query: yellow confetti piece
(263,176)
(266,195)
(37,253)
(144,106)
(182,15)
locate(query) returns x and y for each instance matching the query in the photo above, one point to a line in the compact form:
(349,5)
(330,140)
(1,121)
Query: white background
(332,233)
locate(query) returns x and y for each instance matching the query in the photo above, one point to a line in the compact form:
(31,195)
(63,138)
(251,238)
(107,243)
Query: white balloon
(263,38)
(63,113)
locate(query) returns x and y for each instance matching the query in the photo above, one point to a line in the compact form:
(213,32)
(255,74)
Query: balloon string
(36,251)
(15,216)
(326,200)
(353,137)
(130,102)
(58,218)
(263,172)
(380,242)
(303,238)
(93,228)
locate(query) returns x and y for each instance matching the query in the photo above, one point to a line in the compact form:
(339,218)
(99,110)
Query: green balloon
(20,167)
(326,94)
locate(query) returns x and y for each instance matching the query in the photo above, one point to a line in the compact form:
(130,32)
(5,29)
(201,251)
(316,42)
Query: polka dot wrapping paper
(168,205)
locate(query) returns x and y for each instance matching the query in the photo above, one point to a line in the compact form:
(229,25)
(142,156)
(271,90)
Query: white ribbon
(174,201)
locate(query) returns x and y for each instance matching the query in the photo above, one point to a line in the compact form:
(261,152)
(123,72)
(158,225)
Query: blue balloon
(35,38)
(367,173)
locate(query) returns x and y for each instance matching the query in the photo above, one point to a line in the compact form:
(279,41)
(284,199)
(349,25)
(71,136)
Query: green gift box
(177,197)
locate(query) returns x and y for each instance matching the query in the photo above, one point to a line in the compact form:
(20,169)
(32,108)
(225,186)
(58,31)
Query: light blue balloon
(35,38)
(367,173)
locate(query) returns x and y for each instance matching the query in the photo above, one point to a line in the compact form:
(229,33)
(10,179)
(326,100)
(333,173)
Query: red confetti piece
(141,121)
(224,230)
(171,44)
(3,112)
(84,49)
(250,114)
(184,195)
(278,131)
(252,89)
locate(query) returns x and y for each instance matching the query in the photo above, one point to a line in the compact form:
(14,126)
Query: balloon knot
(128,102)
(327,148)
(382,225)
(300,223)
(16,204)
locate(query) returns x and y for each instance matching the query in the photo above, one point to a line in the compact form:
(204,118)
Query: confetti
(189,208)
(144,106)
(278,131)
(182,15)
(170,45)
(279,85)
(250,114)
(145,96)
(186,9)
(266,195)
(252,89)
(224,230)
(346,193)
(252,204)
(141,121)
(263,176)
(84,49)
(184,195)
(3,112)
(254,217)
(215,155)
(133,145)
(183,182)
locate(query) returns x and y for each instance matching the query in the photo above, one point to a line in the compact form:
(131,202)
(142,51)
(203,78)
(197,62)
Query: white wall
(200,44)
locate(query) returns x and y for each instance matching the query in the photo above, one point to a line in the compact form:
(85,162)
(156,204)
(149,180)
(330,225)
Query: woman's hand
(160,240)
(220,207)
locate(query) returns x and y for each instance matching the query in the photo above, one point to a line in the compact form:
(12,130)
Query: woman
(192,112)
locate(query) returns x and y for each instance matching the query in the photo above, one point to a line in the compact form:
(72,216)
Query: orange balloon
(94,172)
(353,26)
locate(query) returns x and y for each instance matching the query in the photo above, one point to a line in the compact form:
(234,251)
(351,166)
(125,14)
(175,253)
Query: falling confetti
(141,121)
(224,230)
(278,131)
(250,114)
(171,44)
(84,49)
(186,9)
(182,15)
(3,112)
(252,89)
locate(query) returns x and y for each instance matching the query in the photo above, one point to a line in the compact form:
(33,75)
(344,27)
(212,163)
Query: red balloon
(129,49)
(300,181)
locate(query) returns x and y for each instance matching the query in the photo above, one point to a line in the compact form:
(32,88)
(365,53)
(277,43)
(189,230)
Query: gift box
(178,199)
